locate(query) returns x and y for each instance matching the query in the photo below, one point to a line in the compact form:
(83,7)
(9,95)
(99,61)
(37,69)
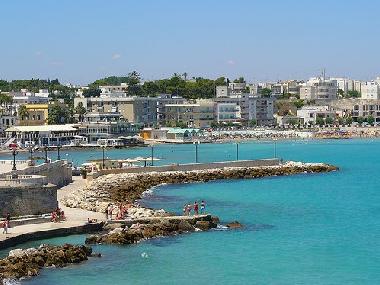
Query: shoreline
(237,139)
(146,223)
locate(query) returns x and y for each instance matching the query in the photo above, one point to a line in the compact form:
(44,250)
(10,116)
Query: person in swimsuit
(196,208)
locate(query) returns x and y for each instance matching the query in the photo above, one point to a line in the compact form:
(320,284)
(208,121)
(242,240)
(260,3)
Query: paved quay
(76,222)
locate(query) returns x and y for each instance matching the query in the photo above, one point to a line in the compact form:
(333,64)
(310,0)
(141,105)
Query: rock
(215,219)
(185,226)
(112,226)
(234,225)
(204,225)
(24,263)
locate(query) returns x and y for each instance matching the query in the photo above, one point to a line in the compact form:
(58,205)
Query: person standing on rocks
(5,227)
(196,208)
(203,207)
(188,209)
(109,212)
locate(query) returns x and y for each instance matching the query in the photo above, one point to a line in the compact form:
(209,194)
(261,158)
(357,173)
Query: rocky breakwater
(130,186)
(155,228)
(26,263)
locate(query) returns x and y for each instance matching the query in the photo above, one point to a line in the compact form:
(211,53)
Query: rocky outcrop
(26,263)
(130,186)
(234,225)
(157,228)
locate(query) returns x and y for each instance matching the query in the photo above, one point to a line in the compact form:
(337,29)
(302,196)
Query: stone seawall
(130,186)
(191,166)
(58,232)
(21,200)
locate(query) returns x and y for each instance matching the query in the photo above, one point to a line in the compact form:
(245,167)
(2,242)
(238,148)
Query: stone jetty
(27,263)
(130,186)
(151,228)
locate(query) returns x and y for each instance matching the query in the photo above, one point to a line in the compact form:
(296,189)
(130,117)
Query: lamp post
(58,154)
(103,149)
(46,154)
(14,169)
(196,152)
(152,151)
(14,153)
(31,156)
(237,151)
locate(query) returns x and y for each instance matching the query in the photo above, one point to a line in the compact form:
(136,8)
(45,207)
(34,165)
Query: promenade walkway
(76,218)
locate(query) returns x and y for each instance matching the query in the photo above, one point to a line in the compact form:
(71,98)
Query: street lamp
(152,154)
(237,151)
(14,153)
(103,149)
(46,154)
(31,156)
(58,154)
(196,151)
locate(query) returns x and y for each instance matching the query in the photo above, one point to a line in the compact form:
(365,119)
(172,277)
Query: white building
(228,112)
(309,114)
(370,90)
(319,89)
(342,83)
(222,91)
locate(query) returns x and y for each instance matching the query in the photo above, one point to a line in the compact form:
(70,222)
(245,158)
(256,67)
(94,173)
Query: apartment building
(319,89)
(109,89)
(228,112)
(222,91)
(36,114)
(138,110)
(370,90)
(165,99)
(186,113)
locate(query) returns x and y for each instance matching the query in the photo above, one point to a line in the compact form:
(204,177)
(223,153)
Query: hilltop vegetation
(197,87)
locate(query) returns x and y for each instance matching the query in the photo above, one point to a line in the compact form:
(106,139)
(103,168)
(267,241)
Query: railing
(22,181)
(10,162)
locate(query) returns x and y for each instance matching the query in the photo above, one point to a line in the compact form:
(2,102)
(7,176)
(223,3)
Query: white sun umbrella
(154,158)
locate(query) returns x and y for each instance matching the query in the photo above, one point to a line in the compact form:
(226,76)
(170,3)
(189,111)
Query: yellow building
(36,114)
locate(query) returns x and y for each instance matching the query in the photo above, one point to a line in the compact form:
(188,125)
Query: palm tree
(23,112)
(185,75)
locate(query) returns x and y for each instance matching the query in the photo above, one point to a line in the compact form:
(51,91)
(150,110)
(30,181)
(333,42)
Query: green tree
(293,121)
(91,92)
(349,121)
(253,123)
(23,112)
(214,124)
(353,94)
(360,120)
(58,115)
(266,92)
(80,110)
(320,121)
(340,92)
(299,103)
(239,80)
(370,120)
(329,121)
(341,121)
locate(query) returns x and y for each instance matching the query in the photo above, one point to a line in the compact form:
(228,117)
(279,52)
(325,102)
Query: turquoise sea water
(303,229)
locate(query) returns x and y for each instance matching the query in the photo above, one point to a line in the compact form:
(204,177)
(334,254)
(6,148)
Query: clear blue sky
(79,41)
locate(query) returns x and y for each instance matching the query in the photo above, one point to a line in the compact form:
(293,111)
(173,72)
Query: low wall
(58,172)
(21,200)
(190,167)
(13,241)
